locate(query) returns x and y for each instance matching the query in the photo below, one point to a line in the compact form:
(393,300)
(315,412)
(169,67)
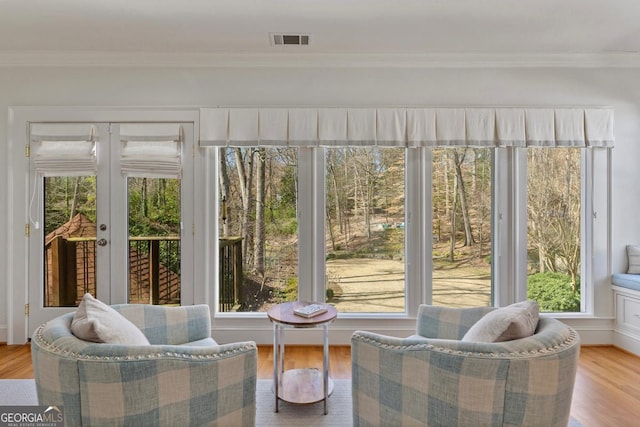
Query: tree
(224,189)
(553,208)
(258,260)
(457,162)
(244,167)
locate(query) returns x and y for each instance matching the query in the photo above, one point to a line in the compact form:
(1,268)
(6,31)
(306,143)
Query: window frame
(508,228)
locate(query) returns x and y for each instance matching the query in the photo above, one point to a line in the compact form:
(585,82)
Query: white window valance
(151,150)
(63,149)
(407,127)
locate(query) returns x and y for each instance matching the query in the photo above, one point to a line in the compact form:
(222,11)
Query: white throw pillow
(512,322)
(95,321)
(633,255)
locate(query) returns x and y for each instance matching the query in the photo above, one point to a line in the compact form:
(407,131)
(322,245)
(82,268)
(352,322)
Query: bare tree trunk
(452,240)
(468,236)
(76,194)
(224,190)
(258,261)
(330,226)
(145,199)
(246,191)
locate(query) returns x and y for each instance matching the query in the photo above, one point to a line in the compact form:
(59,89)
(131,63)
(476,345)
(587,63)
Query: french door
(111,214)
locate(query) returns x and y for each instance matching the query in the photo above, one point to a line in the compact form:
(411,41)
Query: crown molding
(319,60)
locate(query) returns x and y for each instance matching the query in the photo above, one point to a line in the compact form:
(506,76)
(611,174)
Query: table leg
(276,356)
(281,352)
(325,366)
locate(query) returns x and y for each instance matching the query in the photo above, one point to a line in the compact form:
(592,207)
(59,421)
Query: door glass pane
(70,239)
(553,228)
(365,229)
(154,240)
(258,228)
(462,226)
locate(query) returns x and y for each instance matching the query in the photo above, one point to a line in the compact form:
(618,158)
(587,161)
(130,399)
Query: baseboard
(3,333)
(627,342)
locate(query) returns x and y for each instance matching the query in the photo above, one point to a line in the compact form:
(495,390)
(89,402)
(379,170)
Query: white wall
(115,87)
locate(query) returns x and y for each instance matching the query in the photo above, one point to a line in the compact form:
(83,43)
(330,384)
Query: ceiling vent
(279,39)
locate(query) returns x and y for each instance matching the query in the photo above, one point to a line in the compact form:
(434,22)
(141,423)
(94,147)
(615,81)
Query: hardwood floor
(606,393)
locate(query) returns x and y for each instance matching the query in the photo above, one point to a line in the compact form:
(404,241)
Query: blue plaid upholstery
(182,378)
(433,379)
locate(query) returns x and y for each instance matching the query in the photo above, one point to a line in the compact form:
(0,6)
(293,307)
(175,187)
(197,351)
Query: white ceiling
(365,27)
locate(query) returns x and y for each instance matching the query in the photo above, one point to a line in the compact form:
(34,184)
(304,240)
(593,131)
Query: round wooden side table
(300,385)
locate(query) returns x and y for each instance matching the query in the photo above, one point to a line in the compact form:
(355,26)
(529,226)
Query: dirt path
(377,285)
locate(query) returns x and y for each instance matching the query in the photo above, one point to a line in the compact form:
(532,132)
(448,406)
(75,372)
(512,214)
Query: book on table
(310,310)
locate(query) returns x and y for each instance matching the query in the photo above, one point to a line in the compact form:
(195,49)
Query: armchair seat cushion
(201,343)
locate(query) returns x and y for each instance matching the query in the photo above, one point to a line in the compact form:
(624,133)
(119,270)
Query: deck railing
(154,271)
(231,275)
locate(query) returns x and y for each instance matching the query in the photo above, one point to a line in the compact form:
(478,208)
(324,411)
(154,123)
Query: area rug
(311,415)
(18,392)
(23,392)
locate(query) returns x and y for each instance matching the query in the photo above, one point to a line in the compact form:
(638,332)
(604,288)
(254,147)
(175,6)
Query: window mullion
(309,257)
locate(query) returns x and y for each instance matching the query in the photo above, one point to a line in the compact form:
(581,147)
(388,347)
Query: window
(258,228)
(554,216)
(365,229)
(454,198)
(462,198)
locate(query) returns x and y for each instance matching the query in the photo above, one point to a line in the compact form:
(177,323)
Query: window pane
(258,251)
(70,239)
(364,223)
(553,228)
(462,226)
(154,240)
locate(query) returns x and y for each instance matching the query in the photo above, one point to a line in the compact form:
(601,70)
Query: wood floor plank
(606,392)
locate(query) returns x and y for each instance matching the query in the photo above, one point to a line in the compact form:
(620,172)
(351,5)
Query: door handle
(102,242)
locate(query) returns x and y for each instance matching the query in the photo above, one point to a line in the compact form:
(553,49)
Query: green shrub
(291,289)
(554,292)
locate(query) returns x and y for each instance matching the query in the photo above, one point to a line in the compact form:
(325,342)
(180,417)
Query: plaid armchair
(434,379)
(182,378)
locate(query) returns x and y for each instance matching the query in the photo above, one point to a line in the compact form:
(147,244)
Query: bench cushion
(630,281)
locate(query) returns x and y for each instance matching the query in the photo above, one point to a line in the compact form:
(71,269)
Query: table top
(283,314)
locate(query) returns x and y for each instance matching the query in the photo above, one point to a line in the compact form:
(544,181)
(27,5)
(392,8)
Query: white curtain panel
(569,128)
(243,127)
(407,127)
(332,126)
(481,127)
(361,126)
(510,127)
(421,127)
(391,126)
(599,127)
(214,127)
(151,150)
(451,129)
(303,127)
(63,149)
(540,127)
(273,126)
